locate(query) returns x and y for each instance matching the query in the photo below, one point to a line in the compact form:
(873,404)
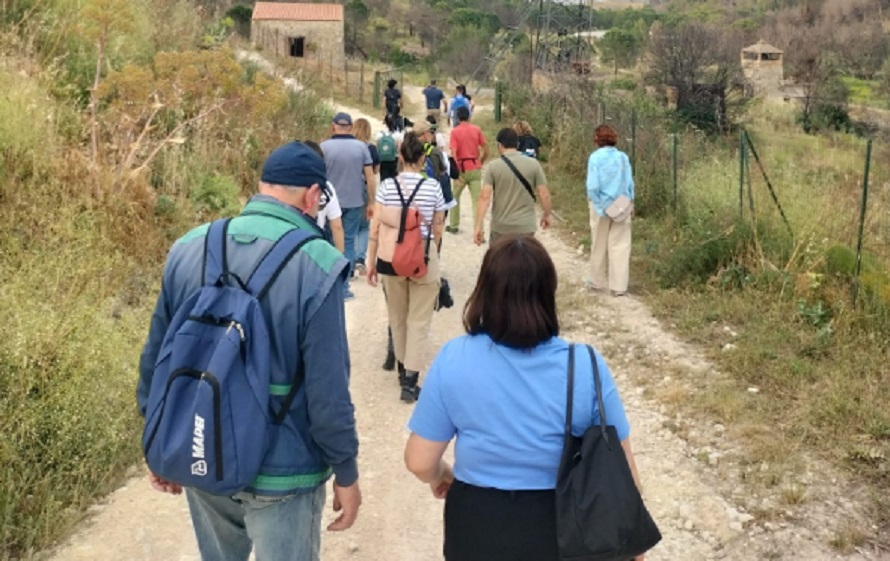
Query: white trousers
(609,252)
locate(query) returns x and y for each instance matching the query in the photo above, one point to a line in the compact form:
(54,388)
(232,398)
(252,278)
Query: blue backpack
(209,409)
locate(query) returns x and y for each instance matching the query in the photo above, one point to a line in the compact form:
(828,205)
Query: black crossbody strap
(598,387)
(571,392)
(520,177)
(405,206)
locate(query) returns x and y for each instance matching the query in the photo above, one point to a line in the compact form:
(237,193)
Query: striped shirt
(428,201)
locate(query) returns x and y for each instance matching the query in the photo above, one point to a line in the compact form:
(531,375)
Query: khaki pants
(437,115)
(473,181)
(609,252)
(410,304)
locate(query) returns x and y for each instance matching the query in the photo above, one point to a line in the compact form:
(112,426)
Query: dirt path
(400,521)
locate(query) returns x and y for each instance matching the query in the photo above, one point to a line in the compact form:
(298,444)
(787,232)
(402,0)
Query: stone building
(313,32)
(763,67)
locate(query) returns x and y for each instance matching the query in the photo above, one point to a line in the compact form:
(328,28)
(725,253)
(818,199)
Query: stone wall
(323,39)
(765,79)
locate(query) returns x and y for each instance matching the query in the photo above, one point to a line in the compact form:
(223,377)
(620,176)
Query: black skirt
(493,525)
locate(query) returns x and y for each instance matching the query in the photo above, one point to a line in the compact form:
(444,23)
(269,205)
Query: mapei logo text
(199,466)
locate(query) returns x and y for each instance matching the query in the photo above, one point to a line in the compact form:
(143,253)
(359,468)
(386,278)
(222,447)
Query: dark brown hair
(605,135)
(411,148)
(514,301)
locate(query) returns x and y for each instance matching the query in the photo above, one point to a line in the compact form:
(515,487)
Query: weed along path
(690,470)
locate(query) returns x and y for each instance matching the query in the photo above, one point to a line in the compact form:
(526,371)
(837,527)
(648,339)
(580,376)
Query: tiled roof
(293,11)
(762,47)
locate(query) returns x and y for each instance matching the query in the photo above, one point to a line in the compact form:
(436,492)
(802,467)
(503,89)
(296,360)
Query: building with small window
(313,32)
(763,67)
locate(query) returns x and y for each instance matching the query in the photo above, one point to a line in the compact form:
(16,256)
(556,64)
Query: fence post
(633,143)
(674,165)
(497,101)
(376,94)
(743,151)
(862,221)
(346,76)
(361,82)
(331,70)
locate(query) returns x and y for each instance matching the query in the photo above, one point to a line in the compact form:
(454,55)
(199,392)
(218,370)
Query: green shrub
(702,250)
(217,195)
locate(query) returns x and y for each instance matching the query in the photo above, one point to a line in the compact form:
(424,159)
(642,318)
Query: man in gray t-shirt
(350,169)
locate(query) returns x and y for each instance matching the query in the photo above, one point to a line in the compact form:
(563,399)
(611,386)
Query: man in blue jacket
(279,514)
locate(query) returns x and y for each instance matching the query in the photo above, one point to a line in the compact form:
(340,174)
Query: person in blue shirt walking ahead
(609,177)
(501,391)
(435,99)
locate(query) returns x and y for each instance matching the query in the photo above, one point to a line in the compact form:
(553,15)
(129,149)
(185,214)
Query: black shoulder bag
(520,177)
(600,515)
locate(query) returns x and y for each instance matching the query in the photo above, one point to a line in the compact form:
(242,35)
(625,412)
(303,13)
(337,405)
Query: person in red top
(468,147)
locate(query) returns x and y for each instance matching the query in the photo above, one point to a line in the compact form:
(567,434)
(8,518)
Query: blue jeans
(278,528)
(352,221)
(361,244)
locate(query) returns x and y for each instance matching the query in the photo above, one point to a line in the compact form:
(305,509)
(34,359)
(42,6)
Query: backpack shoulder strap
(215,265)
(405,206)
(271,265)
(520,177)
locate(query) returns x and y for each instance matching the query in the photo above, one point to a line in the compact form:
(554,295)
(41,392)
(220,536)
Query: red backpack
(409,258)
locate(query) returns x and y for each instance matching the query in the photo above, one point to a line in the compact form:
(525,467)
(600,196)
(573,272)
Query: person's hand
(370,212)
(371,274)
(441,486)
(479,236)
(346,502)
(640,557)
(545,221)
(164,486)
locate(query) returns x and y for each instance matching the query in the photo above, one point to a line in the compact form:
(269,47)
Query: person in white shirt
(329,212)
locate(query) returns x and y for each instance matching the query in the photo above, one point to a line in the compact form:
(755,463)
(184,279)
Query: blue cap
(294,165)
(344,119)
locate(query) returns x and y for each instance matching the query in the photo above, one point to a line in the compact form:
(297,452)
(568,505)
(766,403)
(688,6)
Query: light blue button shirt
(507,409)
(608,176)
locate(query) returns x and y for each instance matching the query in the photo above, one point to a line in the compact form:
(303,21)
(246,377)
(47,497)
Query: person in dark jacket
(393,97)
(279,513)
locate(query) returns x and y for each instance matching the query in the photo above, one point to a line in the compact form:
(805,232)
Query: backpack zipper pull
(240,329)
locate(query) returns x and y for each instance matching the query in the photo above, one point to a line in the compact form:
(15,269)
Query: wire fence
(826,196)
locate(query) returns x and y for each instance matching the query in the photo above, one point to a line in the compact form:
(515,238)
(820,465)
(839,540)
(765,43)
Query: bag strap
(520,177)
(598,387)
(570,399)
(405,206)
(271,265)
(215,265)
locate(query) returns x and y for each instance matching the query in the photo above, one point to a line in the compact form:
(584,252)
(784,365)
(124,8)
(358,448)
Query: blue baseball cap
(344,119)
(295,165)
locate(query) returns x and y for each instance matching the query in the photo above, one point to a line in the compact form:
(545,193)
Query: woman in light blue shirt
(608,177)
(501,391)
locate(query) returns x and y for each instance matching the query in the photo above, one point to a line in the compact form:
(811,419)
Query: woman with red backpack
(406,231)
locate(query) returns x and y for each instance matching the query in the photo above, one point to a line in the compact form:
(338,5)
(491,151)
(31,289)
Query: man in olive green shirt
(509,184)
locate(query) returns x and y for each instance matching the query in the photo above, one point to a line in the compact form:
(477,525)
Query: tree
(702,64)
(357,13)
(620,48)
(464,51)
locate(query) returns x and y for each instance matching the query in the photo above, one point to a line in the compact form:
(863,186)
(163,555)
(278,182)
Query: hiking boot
(452,229)
(410,389)
(402,379)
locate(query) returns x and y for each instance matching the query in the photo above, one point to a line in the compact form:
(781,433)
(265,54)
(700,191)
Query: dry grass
(818,366)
